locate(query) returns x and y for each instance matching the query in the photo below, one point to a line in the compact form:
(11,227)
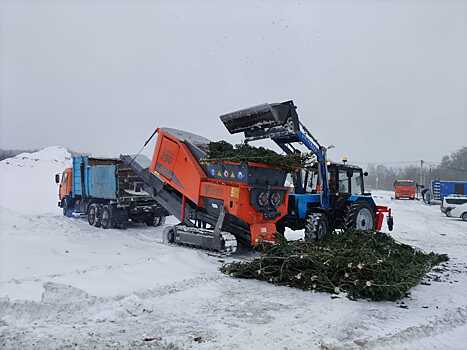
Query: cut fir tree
(369,265)
(223,150)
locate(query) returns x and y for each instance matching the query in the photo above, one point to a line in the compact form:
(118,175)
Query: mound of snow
(27,181)
(49,154)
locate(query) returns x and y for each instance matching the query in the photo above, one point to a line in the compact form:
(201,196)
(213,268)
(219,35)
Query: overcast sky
(381,80)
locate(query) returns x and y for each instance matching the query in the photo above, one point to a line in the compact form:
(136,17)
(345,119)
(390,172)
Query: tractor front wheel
(360,216)
(316,227)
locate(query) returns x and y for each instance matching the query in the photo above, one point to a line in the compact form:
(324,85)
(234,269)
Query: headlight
(275,199)
(263,199)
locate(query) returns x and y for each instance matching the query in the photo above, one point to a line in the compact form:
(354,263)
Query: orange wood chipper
(218,202)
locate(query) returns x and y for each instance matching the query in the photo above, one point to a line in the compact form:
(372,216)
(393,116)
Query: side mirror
(57,178)
(365,173)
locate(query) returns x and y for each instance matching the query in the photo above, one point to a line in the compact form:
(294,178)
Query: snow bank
(27,181)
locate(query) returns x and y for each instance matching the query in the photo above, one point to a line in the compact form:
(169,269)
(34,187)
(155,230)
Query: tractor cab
(343,179)
(346,179)
(346,186)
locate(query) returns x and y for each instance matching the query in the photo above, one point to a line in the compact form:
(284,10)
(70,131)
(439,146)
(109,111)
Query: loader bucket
(263,121)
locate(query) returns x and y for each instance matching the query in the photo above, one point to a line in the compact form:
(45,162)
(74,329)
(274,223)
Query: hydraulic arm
(279,122)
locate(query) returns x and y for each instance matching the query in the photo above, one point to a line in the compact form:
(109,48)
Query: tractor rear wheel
(316,227)
(360,216)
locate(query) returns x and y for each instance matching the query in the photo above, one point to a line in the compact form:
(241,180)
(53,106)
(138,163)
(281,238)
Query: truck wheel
(156,221)
(106,217)
(97,222)
(92,214)
(316,227)
(360,216)
(390,223)
(67,205)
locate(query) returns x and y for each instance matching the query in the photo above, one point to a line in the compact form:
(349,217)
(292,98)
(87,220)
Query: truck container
(108,192)
(443,188)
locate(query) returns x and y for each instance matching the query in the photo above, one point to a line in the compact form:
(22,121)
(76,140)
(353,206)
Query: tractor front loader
(327,196)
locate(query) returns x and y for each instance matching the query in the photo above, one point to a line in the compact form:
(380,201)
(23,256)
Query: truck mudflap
(379,217)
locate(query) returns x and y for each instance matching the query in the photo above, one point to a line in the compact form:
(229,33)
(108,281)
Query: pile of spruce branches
(222,150)
(370,265)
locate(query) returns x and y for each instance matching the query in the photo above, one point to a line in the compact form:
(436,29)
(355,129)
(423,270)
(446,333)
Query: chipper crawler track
(217,202)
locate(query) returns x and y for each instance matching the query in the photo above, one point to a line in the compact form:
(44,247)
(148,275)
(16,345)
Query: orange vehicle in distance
(405,189)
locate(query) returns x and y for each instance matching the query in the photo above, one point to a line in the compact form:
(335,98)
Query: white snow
(27,181)
(63,282)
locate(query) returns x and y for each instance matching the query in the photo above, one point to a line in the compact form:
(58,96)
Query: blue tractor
(327,196)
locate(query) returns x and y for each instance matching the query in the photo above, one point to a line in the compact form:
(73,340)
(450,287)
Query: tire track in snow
(93,268)
(65,312)
(451,320)
(59,299)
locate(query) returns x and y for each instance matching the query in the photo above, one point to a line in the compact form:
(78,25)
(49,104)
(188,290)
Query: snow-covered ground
(65,284)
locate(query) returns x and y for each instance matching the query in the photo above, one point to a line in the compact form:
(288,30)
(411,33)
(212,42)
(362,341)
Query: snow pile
(27,181)
(51,154)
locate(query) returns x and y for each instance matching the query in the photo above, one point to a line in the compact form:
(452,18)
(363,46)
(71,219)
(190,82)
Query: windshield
(404,183)
(64,177)
(456,200)
(357,181)
(343,182)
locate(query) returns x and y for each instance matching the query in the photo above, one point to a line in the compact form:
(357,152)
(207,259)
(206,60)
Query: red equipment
(405,189)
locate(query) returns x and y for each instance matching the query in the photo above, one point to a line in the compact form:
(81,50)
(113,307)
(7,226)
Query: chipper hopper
(218,202)
(327,195)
